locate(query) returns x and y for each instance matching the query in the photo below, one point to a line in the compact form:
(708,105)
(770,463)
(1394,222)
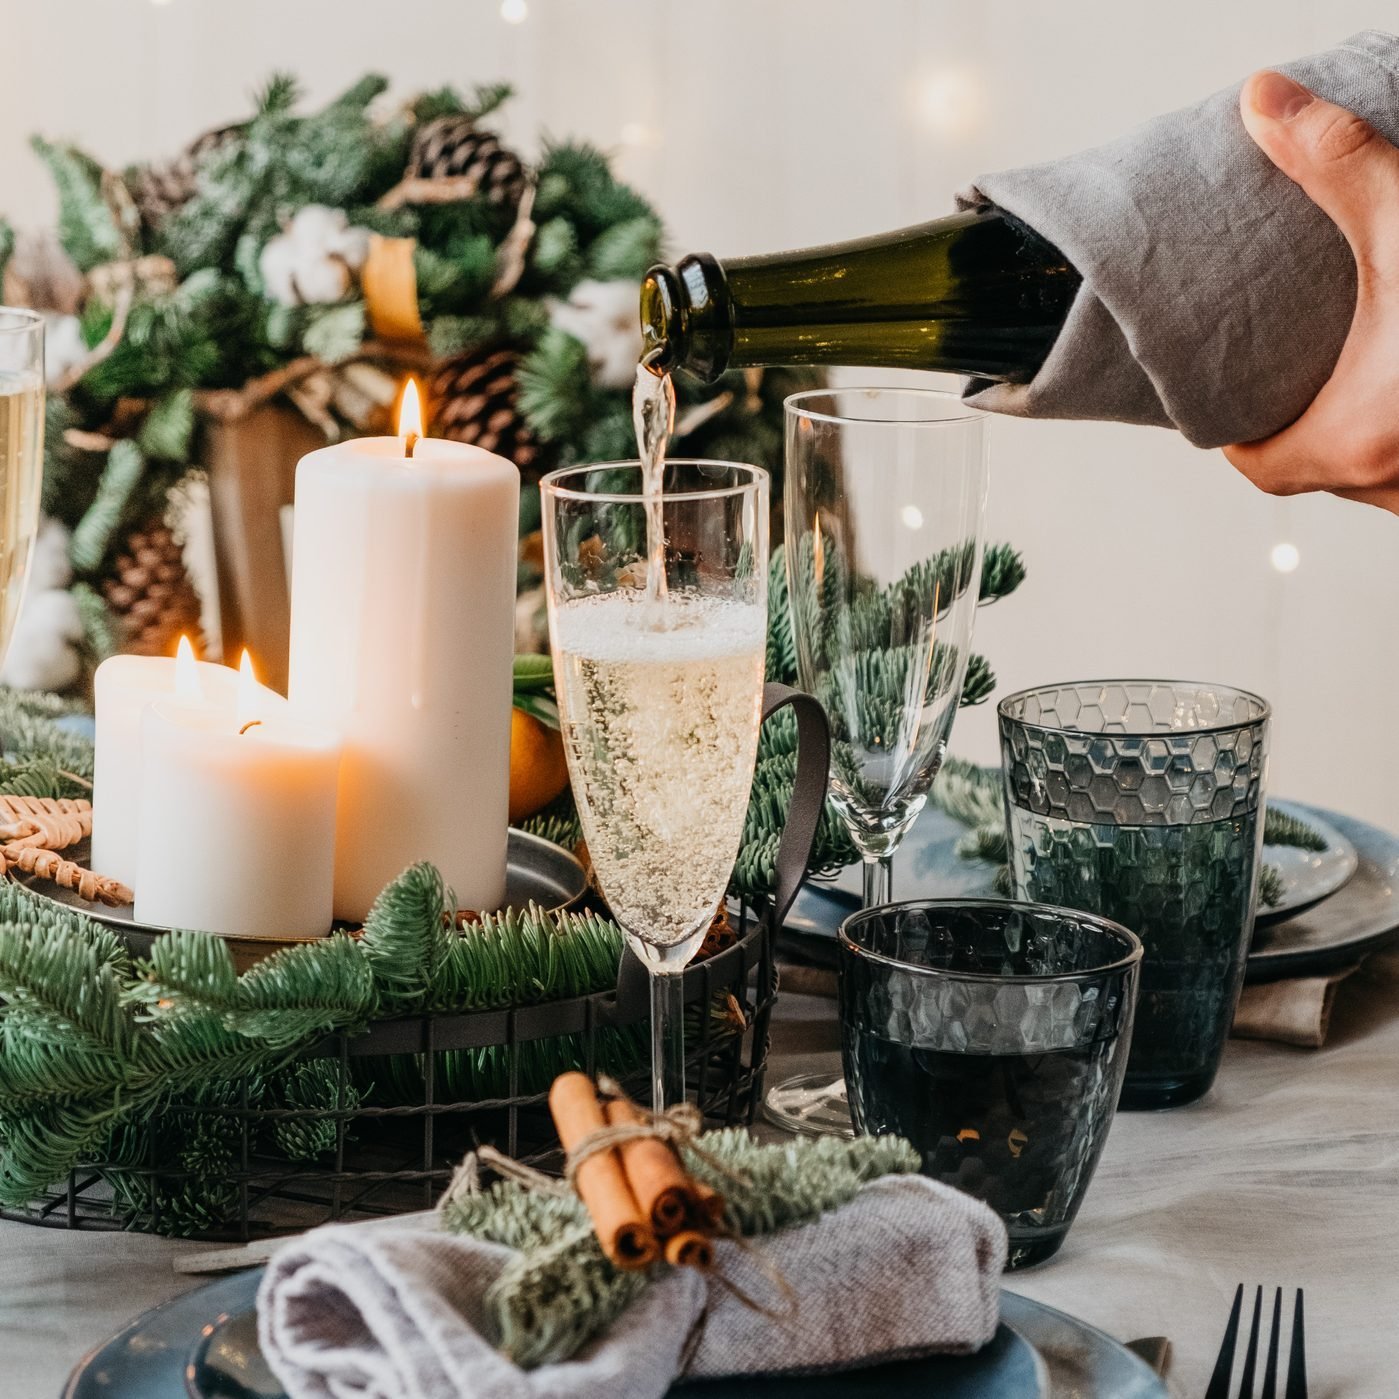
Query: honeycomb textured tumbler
(1140,800)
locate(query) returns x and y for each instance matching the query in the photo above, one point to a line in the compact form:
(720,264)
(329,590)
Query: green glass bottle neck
(975,293)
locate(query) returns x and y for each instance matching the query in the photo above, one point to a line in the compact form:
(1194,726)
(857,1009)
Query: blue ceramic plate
(203,1345)
(1337,904)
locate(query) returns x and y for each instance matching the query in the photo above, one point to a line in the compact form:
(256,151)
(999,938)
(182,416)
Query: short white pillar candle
(237,821)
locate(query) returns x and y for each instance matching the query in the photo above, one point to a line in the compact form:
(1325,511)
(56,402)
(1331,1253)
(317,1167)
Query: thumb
(1347,168)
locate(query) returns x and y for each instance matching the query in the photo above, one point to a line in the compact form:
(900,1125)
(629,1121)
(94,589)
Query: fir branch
(95,531)
(7,245)
(30,732)
(405,937)
(626,249)
(101,634)
(1002,572)
(336,332)
(168,428)
(555,386)
(1284,829)
(278,95)
(89,233)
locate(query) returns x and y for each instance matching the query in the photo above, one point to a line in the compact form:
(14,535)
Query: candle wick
(251,724)
(409,442)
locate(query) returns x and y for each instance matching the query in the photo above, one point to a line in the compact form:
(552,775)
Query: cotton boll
(50,566)
(277,265)
(315,260)
(45,650)
(603,317)
(319,278)
(316,226)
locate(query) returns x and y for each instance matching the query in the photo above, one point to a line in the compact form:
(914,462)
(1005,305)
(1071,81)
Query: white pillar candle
(123,688)
(237,822)
(402,636)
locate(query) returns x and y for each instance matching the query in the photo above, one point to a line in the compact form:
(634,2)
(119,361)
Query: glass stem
(879,880)
(667,1039)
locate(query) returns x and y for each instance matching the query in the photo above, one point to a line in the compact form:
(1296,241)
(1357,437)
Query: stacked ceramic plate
(204,1346)
(1335,904)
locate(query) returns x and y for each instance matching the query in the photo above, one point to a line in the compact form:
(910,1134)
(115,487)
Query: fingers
(1340,160)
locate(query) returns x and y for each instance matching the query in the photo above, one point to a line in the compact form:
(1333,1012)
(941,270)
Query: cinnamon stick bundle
(623,1230)
(690,1249)
(664,1191)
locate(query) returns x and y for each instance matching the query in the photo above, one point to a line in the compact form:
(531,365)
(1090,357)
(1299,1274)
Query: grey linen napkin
(909,1266)
(1216,296)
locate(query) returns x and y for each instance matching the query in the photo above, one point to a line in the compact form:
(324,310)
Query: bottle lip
(663,330)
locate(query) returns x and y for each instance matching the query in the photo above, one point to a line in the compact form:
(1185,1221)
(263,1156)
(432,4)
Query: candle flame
(248,693)
(410,417)
(187,686)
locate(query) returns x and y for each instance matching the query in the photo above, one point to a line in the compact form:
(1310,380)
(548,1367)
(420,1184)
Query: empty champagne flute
(660,698)
(884,510)
(21,456)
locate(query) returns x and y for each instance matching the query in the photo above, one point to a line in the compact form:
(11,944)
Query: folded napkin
(1296,1011)
(1215,296)
(907,1267)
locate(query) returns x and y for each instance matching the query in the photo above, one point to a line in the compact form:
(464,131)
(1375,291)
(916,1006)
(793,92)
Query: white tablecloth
(1287,1174)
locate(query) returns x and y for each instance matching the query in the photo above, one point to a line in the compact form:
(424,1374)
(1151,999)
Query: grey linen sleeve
(1216,296)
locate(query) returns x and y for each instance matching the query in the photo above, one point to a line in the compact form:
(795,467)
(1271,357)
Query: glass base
(1153,1094)
(812,1105)
(1034,1246)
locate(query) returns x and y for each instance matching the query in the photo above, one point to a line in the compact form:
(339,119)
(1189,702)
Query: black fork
(1296,1387)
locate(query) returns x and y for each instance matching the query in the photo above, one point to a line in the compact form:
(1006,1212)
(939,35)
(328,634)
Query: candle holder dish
(537,872)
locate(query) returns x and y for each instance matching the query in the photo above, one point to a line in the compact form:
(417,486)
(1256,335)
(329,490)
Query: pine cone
(163,186)
(151,595)
(453,146)
(473,400)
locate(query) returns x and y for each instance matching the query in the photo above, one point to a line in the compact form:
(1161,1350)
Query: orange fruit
(538,768)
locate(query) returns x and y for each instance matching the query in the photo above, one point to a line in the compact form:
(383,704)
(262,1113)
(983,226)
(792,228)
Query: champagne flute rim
(551,484)
(1264,708)
(19,320)
(796,405)
(1130,958)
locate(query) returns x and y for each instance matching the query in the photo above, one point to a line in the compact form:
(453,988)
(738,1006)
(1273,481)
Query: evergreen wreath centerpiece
(308,261)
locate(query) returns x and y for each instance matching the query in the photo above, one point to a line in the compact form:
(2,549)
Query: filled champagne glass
(884,504)
(21,456)
(660,698)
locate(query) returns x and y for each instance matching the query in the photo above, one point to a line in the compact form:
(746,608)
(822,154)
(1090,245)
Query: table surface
(1287,1174)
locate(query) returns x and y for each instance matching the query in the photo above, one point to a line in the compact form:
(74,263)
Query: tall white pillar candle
(237,822)
(402,636)
(123,688)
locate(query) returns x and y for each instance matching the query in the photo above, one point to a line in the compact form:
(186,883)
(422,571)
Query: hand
(1347,441)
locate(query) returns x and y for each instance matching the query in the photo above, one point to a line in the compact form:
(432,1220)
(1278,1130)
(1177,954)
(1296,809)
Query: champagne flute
(884,504)
(660,698)
(21,456)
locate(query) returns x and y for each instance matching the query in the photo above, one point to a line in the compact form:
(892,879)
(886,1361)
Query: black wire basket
(396,1107)
(393,1149)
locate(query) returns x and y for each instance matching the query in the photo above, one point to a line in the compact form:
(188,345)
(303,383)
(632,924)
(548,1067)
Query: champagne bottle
(975,293)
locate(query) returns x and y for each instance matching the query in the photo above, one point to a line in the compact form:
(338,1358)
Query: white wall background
(759,124)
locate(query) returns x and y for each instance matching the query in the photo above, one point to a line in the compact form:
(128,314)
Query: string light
(912,517)
(1285,557)
(948,101)
(514,11)
(637,133)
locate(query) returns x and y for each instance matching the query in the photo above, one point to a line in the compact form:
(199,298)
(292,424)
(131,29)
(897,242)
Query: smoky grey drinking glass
(993,1036)
(1142,800)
